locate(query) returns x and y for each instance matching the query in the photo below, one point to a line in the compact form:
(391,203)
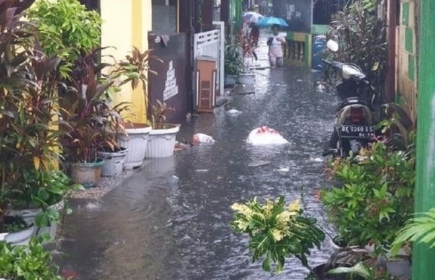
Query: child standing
(275,43)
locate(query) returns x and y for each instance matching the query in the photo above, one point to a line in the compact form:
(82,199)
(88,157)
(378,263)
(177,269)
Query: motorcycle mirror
(332,45)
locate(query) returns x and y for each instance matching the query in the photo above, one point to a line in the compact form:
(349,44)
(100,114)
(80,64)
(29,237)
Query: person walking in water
(275,43)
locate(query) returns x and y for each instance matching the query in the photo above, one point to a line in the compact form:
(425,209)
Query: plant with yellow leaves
(276,231)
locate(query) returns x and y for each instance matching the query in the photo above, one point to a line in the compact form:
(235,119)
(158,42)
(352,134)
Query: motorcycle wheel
(335,143)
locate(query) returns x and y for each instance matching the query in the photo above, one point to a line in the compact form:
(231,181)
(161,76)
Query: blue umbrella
(269,21)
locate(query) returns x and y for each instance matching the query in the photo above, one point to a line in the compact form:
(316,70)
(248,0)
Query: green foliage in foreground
(277,231)
(30,262)
(420,229)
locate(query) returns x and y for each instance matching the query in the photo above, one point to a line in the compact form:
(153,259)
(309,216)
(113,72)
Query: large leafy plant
(419,229)
(90,120)
(44,189)
(66,28)
(374,195)
(277,231)
(28,105)
(361,35)
(233,64)
(135,69)
(158,114)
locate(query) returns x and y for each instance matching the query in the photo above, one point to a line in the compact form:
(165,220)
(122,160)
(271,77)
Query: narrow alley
(170,220)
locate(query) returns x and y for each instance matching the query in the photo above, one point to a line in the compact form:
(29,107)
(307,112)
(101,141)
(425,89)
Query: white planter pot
(29,216)
(50,230)
(230,80)
(246,79)
(161,142)
(21,237)
(114,162)
(135,142)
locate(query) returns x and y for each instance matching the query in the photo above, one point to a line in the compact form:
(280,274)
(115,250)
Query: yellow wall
(125,24)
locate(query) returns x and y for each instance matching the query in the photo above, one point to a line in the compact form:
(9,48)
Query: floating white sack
(265,136)
(202,138)
(233,112)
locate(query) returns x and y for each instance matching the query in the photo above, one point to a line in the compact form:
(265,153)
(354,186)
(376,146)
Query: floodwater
(170,220)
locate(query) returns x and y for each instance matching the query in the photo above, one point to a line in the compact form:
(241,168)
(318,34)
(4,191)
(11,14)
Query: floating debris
(317,159)
(320,88)
(265,136)
(202,138)
(283,169)
(233,112)
(258,163)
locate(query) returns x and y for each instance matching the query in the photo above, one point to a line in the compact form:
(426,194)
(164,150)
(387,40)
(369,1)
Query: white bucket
(114,162)
(135,142)
(161,142)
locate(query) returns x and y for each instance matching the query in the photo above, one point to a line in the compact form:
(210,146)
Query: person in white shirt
(275,43)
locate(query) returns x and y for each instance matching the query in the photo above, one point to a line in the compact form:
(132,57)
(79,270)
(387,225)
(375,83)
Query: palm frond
(420,229)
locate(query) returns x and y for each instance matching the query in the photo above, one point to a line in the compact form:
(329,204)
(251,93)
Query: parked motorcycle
(355,117)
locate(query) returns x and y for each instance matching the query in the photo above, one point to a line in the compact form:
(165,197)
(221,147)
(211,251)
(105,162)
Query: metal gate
(211,44)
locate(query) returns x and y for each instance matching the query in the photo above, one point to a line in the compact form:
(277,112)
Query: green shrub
(66,28)
(376,197)
(30,262)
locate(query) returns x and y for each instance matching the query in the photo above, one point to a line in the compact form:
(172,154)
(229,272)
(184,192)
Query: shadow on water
(170,220)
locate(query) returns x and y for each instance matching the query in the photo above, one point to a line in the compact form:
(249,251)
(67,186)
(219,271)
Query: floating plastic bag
(265,136)
(233,112)
(202,138)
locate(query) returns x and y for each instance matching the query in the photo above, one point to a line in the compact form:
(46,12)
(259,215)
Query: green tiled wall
(411,67)
(409,40)
(405,13)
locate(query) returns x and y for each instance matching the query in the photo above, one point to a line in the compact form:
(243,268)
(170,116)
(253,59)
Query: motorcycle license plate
(356,131)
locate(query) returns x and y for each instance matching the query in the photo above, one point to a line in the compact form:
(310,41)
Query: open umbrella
(269,21)
(251,17)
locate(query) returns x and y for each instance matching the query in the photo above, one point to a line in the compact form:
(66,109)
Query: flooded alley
(170,220)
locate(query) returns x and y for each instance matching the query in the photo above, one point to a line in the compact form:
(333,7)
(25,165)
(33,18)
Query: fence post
(422,266)
(221,62)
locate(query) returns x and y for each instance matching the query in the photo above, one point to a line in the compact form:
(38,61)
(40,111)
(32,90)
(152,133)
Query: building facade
(126,23)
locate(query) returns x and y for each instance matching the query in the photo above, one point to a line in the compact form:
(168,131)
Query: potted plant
(89,120)
(16,231)
(233,64)
(43,200)
(134,70)
(28,130)
(161,140)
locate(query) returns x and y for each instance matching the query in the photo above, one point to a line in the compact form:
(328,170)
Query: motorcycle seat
(354,100)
